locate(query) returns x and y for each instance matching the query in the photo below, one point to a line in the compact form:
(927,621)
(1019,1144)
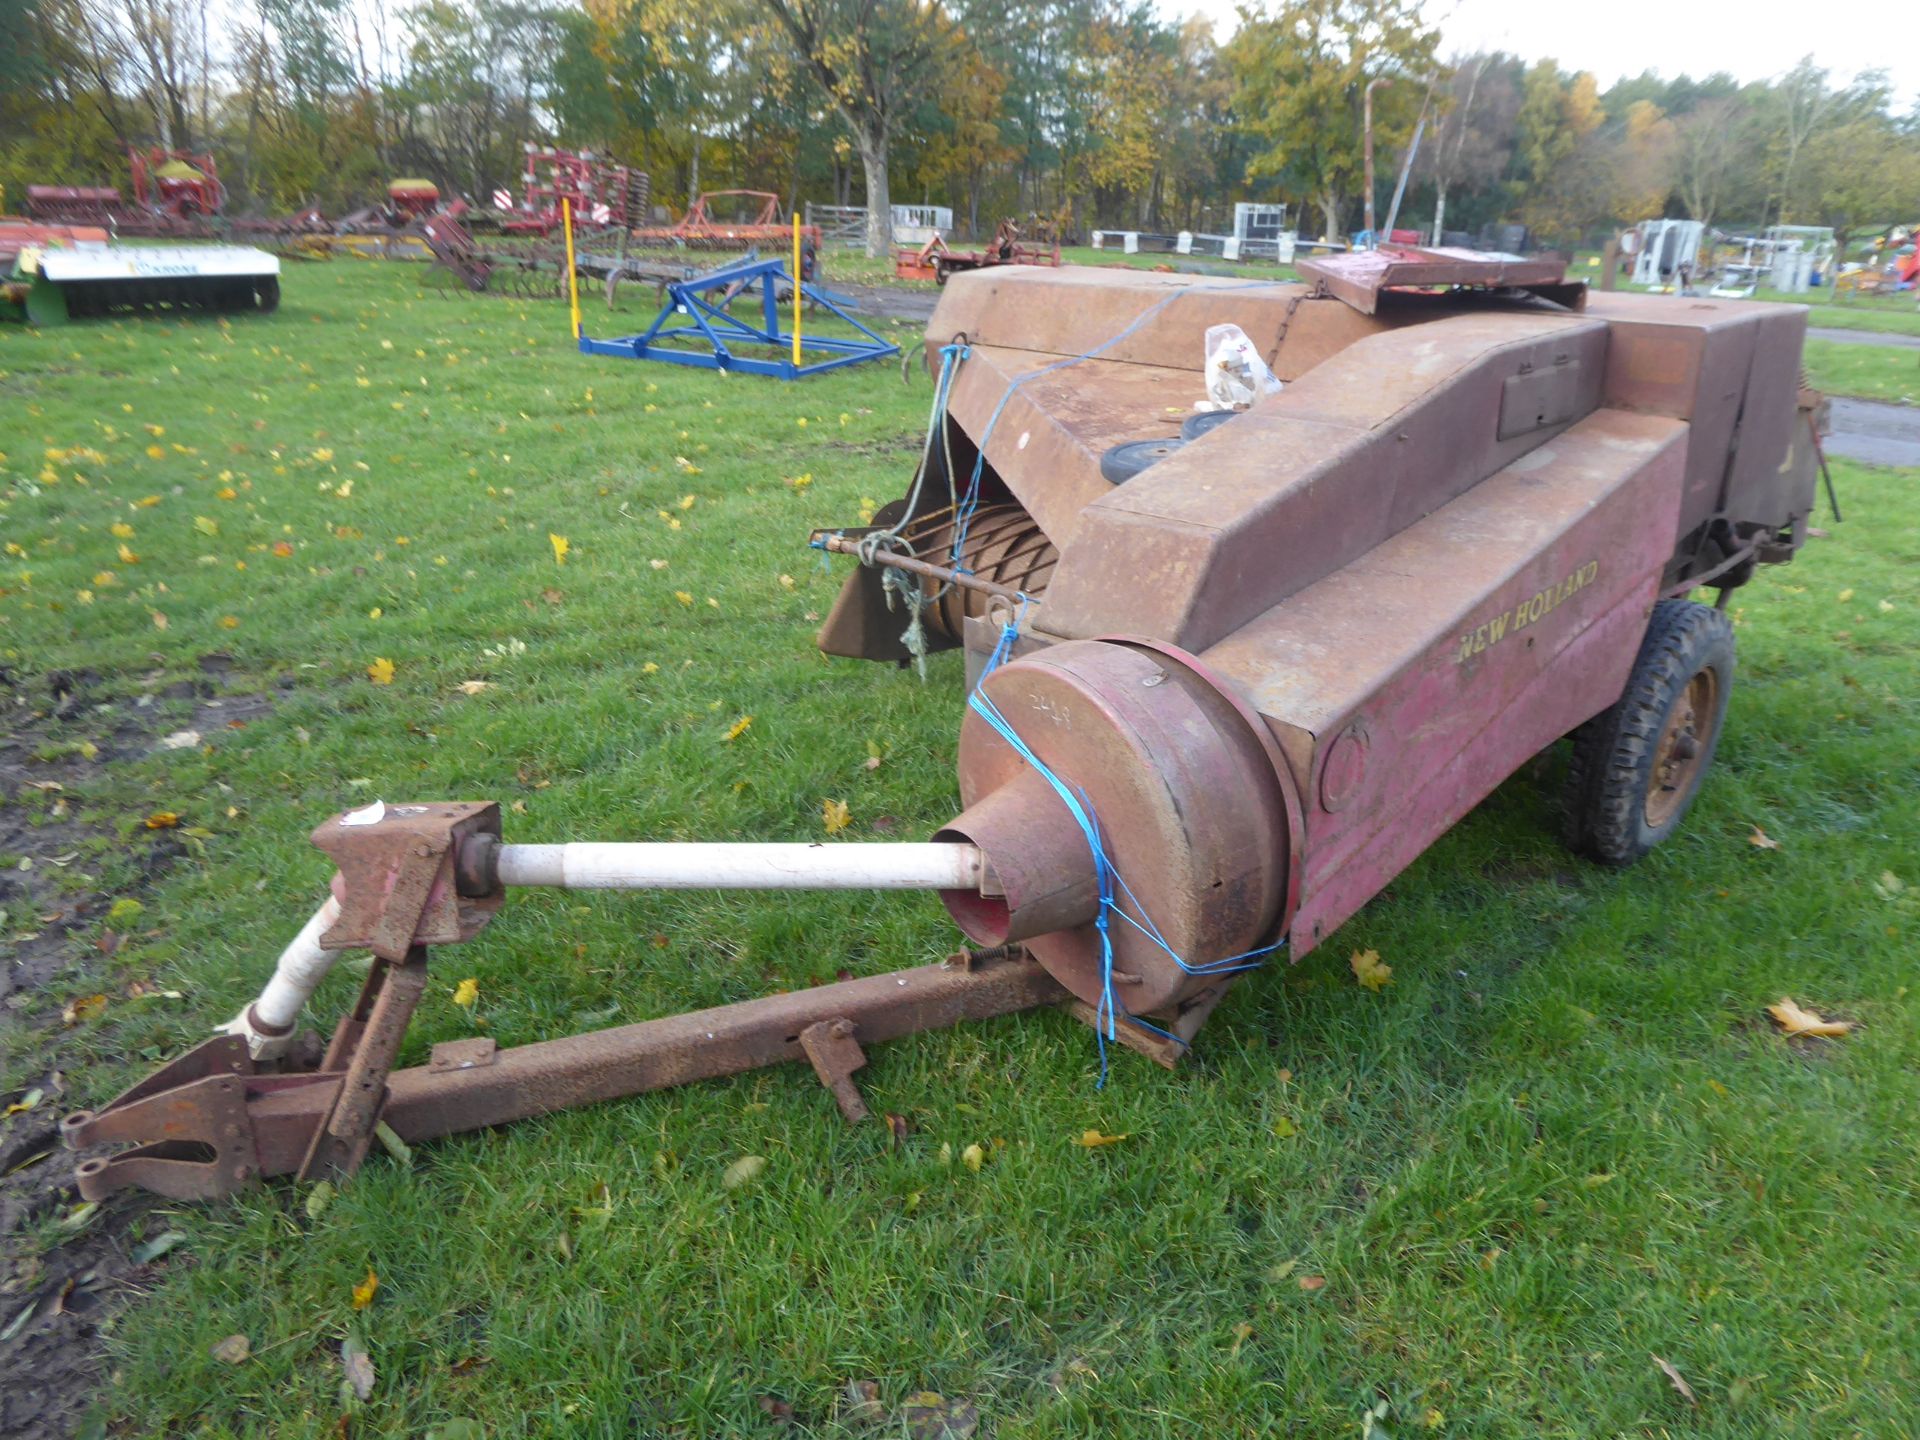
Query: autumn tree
(1641,161)
(1302,72)
(1802,105)
(871,58)
(1557,115)
(1471,140)
(1866,175)
(1130,64)
(966,141)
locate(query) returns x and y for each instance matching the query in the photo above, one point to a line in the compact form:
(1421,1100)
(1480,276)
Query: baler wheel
(1637,766)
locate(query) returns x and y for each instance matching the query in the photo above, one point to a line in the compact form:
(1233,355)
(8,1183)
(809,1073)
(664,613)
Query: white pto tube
(593,866)
(267,1024)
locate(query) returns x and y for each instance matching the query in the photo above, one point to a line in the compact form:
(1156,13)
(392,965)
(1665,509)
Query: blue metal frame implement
(710,321)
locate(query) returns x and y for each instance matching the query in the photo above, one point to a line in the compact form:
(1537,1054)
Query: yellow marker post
(573,283)
(796,292)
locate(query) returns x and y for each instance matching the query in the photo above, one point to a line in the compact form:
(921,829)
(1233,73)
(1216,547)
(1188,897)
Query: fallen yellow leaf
(1760,840)
(835,815)
(83,1008)
(381,671)
(162,820)
(475,687)
(1675,1379)
(560,547)
(1794,1020)
(739,727)
(1093,1139)
(1370,971)
(973,1157)
(467,993)
(363,1292)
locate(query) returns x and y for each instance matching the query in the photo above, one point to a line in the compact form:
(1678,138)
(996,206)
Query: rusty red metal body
(1431,555)
(1220,698)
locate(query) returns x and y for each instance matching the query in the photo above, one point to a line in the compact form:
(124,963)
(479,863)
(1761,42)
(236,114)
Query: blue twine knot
(1111,886)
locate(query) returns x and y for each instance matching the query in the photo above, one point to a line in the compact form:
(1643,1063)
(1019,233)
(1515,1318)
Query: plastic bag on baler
(1236,375)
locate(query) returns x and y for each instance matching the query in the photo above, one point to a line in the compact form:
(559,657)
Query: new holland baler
(1230,671)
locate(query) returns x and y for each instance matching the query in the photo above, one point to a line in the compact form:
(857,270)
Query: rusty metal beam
(429,1101)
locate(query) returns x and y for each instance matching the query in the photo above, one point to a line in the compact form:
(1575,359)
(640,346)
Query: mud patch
(67,1271)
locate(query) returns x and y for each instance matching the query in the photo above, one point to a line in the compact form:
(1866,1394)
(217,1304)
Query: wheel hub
(1676,762)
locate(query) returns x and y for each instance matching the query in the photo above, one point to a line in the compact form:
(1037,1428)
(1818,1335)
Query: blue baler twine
(1110,884)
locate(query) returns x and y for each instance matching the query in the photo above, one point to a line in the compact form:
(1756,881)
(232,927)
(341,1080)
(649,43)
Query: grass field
(1872,372)
(1563,1140)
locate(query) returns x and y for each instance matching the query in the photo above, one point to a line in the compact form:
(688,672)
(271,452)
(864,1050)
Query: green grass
(1893,314)
(1564,1138)
(1872,372)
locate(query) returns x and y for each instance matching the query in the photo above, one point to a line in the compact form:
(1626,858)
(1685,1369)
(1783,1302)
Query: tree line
(1084,112)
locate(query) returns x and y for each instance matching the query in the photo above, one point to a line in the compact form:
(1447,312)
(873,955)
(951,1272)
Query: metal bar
(529,1080)
(592,866)
(841,545)
(338,1148)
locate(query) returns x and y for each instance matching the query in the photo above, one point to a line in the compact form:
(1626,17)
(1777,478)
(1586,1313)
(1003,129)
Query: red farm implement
(936,260)
(740,220)
(176,195)
(602,194)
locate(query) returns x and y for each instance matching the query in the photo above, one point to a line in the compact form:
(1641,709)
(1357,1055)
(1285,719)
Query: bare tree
(1473,133)
(1710,143)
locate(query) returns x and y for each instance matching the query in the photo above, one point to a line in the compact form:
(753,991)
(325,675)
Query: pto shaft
(590,866)
(483,866)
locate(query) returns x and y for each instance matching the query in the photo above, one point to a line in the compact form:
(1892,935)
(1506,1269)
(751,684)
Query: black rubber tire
(1123,462)
(1194,426)
(1614,753)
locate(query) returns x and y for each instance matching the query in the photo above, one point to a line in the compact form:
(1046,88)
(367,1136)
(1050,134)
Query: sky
(1752,44)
